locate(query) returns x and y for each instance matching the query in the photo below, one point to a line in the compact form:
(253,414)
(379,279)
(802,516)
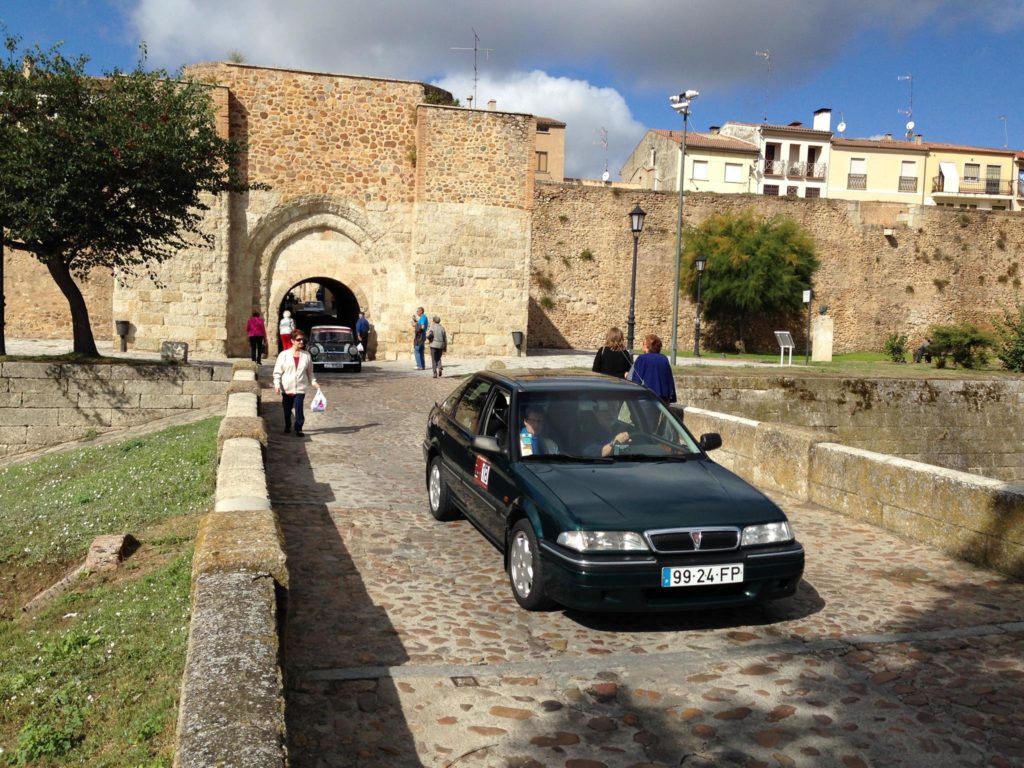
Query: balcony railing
(908,183)
(816,171)
(856,181)
(774,167)
(796,169)
(976,186)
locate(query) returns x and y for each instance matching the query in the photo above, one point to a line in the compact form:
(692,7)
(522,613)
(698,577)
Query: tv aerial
(910,104)
(767,56)
(476,51)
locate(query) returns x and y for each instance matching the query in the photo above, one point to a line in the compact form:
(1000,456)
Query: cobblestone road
(404,646)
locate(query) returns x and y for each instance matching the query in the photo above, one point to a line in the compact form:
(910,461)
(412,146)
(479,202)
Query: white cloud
(583,107)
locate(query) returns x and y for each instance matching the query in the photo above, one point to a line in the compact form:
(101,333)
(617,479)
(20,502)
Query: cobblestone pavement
(404,647)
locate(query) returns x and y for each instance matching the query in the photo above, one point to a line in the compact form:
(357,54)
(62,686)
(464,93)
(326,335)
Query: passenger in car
(532,441)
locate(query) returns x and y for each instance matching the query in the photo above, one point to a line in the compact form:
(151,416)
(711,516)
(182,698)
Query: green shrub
(896,347)
(1011,340)
(964,343)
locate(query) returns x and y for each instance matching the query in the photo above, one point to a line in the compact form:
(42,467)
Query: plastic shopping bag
(360,347)
(319,404)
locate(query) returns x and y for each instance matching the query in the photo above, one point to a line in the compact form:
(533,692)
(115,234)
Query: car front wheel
(437,491)
(524,567)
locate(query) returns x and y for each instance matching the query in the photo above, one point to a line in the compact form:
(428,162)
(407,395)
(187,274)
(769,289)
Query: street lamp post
(700,262)
(636,224)
(680,103)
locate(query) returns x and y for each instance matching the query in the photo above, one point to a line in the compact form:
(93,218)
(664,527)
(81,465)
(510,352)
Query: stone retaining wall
(232,695)
(974,518)
(970,425)
(42,404)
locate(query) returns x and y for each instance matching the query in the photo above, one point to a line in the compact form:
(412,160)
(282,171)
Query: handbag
(631,374)
(319,404)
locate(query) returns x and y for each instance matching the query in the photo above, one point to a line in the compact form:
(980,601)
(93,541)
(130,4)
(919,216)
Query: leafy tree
(756,272)
(1011,339)
(109,172)
(967,345)
(896,347)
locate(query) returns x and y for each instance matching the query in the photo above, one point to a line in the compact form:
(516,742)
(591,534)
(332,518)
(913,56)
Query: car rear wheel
(437,492)
(524,568)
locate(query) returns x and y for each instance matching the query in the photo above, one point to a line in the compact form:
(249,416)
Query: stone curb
(232,698)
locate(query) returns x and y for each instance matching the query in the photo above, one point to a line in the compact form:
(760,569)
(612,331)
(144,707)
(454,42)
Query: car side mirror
(710,440)
(486,444)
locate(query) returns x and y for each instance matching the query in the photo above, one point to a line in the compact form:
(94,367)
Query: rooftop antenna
(767,56)
(602,133)
(909,111)
(476,51)
(1006,138)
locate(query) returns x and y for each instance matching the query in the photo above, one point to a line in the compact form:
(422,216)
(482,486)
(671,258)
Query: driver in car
(607,432)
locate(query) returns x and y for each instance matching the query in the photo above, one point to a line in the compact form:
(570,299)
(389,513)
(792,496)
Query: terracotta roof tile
(707,141)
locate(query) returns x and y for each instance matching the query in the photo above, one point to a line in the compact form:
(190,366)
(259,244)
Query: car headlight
(315,351)
(603,541)
(769,533)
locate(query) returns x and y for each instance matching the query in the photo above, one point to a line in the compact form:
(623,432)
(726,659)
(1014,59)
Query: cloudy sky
(605,68)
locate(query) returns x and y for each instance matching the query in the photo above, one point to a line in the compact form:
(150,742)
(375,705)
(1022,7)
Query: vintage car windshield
(580,424)
(333,336)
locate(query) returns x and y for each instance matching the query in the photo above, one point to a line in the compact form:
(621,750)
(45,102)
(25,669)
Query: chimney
(887,137)
(918,138)
(823,119)
(715,129)
(492,105)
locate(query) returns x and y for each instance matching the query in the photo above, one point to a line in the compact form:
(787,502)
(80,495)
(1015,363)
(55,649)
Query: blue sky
(602,65)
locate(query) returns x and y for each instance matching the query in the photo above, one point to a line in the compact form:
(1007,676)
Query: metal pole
(632,299)
(807,346)
(679,239)
(696,322)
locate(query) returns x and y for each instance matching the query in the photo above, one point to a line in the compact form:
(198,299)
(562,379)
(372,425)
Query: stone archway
(332,303)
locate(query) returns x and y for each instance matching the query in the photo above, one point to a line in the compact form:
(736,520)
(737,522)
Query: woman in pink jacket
(293,375)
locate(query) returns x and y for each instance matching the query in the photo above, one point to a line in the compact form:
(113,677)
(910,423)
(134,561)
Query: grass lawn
(92,678)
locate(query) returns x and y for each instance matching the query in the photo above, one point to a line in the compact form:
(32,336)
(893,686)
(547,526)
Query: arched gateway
(394,202)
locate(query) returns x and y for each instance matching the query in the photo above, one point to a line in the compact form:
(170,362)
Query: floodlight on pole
(681,104)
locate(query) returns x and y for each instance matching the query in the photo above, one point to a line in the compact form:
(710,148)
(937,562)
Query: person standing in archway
(285,328)
(257,333)
(363,334)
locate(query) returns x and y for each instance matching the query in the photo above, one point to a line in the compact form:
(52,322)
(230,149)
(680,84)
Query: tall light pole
(636,224)
(700,262)
(680,103)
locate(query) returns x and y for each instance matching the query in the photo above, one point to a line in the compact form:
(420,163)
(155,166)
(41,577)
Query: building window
(908,176)
(653,159)
(812,192)
(992,179)
(733,173)
(791,192)
(972,171)
(858,176)
(542,162)
(699,171)
(543,128)
(772,190)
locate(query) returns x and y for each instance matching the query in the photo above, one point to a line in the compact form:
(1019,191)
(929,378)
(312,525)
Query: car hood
(648,495)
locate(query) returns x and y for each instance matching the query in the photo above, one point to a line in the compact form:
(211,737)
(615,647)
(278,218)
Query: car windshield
(332,336)
(600,425)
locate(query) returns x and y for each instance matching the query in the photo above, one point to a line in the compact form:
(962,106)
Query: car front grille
(694,539)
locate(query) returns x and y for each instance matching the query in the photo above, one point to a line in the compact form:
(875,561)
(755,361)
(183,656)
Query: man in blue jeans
(419,325)
(363,333)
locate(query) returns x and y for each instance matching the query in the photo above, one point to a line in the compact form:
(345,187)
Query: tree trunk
(84,342)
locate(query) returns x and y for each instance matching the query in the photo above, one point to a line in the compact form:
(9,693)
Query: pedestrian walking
(256,330)
(653,370)
(293,376)
(419,336)
(613,359)
(363,334)
(285,328)
(437,338)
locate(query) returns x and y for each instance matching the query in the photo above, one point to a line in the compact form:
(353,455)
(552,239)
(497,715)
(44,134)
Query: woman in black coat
(613,359)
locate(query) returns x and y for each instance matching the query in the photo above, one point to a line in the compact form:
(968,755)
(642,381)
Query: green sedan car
(600,499)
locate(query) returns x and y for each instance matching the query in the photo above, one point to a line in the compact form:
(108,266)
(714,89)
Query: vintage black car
(334,347)
(600,498)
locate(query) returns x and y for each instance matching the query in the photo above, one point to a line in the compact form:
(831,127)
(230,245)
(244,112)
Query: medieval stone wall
(940,265)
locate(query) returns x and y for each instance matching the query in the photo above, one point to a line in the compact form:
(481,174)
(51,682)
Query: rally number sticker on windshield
(482,472)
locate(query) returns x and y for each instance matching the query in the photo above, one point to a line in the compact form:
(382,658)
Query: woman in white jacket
(293,375)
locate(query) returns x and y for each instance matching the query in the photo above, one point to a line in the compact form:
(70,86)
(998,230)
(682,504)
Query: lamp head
(636,220)
(700,262)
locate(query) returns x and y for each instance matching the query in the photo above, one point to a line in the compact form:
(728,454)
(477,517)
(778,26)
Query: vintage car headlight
(769,533)
(603,541)
(315,351)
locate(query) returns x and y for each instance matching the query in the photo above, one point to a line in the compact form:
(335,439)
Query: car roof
(558,379)
(331,328)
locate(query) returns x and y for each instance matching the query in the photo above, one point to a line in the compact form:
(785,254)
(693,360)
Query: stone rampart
(940,265)
(43,404)
(970,425)
(974,518)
